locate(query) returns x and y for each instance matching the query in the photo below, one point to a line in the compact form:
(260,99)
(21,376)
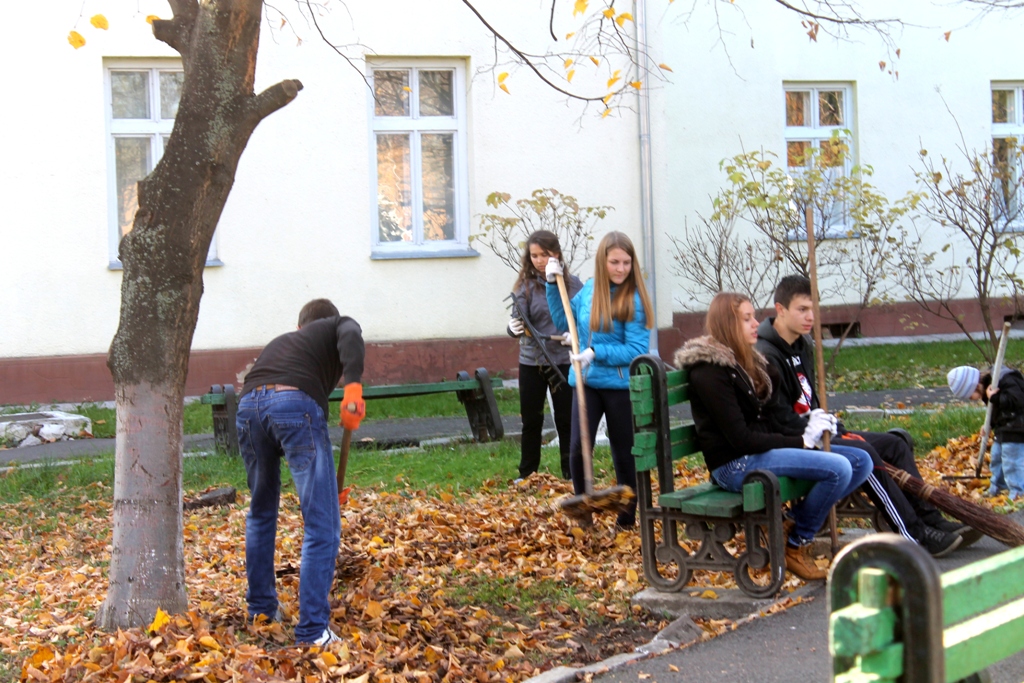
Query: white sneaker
(327,638)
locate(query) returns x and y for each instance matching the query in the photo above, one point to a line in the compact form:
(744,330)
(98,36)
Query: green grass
(901,366)
(482,589)
(929,429)
(456,468)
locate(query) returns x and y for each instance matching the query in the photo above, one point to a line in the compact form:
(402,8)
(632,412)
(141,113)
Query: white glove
(812,432)
(564,340)
(515,326)
(553,268)
(585,357)
(826,421)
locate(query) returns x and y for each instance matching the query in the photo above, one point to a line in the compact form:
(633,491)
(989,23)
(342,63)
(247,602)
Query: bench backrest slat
(388,390)
(989,638)
(980,586)
(684,441)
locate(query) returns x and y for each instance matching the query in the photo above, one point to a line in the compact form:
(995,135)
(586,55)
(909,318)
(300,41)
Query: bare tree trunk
(180,204)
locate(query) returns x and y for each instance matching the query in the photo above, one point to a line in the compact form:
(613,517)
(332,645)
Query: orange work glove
(851,435)
(353,407)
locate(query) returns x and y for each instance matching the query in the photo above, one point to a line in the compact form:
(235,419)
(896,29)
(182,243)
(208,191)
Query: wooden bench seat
(705,515)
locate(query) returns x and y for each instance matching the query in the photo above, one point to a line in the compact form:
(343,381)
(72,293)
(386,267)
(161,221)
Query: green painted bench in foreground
(707,515)
(893,617)
(475,393)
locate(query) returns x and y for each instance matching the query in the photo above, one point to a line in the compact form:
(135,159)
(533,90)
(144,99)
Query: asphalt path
(786,647)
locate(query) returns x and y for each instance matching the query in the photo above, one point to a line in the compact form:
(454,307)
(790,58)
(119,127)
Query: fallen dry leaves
(959,458)
(404,600)
(409,568)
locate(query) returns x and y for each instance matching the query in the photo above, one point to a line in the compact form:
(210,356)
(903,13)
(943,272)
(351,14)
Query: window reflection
(394,187)
(391,91)
(436,97)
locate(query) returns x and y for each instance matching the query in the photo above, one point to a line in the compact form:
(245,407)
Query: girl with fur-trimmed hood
(731,394)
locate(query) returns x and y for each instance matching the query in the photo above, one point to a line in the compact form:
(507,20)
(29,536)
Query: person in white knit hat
(1007,398)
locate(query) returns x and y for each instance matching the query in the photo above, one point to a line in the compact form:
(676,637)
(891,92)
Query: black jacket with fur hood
(731,420)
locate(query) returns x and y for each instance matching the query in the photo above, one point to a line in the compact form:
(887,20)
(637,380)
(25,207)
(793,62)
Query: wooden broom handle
(819,359)
(581,397)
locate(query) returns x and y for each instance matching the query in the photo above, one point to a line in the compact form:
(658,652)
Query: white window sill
(212,263)
(379,254)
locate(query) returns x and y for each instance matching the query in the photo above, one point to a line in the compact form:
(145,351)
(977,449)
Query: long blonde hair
(604,309)
(724,325)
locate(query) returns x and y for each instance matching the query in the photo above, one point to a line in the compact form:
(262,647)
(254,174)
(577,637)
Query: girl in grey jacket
(536,377)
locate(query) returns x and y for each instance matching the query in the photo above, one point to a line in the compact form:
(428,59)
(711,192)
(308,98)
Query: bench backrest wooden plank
(984,640)
(980,586)
(388,390)
(952,626)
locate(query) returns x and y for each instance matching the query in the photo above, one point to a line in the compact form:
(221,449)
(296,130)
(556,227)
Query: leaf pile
(959,458)
(410,599)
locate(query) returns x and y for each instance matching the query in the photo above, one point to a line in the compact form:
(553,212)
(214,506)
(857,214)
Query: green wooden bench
(894,617)
(707,515)
(475,393)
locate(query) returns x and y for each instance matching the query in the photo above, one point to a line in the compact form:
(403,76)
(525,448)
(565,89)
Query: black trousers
(533,391)
(614,405)
(904,513)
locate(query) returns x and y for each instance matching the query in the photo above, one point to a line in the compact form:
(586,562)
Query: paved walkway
(783,648)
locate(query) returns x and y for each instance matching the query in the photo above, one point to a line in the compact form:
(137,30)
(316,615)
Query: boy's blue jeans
(1007,467)
(838,474)
(271,425)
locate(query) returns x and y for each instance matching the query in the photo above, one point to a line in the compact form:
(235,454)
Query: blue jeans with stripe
(836,475)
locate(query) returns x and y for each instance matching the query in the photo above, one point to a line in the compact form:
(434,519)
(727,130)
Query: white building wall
(727,94)
(297,224)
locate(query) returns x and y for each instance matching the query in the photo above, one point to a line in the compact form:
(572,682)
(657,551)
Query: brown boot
(800,562)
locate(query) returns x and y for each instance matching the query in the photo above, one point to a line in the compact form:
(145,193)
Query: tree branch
(526,61)
(334,47)
(175,32)
(274,97)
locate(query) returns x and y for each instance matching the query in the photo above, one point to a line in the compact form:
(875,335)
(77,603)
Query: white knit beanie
(963,381)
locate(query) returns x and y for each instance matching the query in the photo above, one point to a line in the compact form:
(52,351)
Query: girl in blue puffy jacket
(613,317)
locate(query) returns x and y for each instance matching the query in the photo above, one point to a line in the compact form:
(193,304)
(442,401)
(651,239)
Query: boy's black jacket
(1007,405)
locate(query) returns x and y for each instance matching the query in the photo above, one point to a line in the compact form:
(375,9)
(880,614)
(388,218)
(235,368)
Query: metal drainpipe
(646,171)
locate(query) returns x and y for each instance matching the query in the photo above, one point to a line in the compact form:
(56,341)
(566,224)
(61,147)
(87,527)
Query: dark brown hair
(790,286)
(315,310)
(546,240)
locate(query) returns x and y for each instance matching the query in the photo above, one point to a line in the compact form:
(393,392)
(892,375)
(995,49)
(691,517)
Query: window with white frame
(141,103)
(817,130)
(1007,139)
(418,148)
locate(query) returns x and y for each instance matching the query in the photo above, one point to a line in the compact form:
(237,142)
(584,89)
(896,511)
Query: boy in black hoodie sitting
(784,343)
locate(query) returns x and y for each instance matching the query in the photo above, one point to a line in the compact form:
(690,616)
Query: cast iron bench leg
(225,431)
(481,408)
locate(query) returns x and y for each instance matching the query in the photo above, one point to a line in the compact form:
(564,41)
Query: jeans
(838,474)
(272,424)
(533,391)
(1007,469)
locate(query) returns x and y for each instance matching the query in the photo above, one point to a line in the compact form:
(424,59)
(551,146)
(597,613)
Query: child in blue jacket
(613,317)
